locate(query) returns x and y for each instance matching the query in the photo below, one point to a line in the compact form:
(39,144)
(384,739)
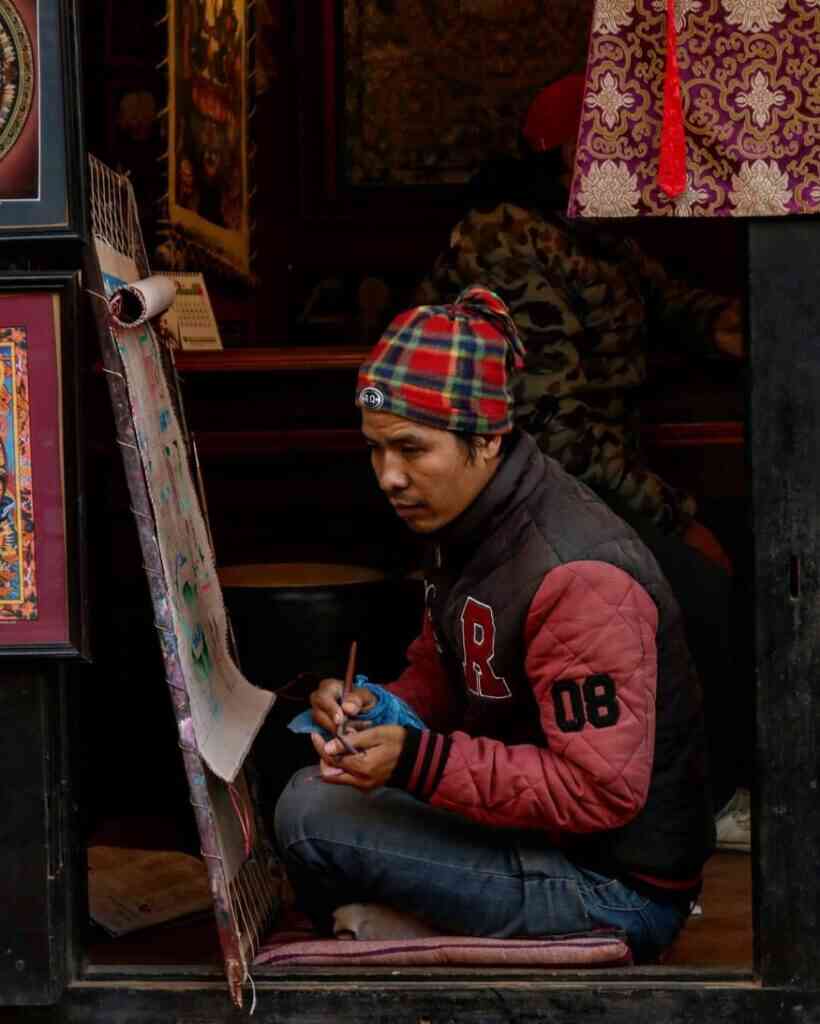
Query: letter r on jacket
(478,642)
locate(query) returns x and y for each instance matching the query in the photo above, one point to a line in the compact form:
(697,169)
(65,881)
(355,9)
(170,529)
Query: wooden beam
(288,358)
(33,798)
(784,322)
(252,444)
(402,1002)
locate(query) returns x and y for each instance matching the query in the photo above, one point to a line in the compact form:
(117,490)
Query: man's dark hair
(470,443)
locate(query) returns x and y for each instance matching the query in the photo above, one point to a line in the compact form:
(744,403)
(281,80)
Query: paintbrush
(347,689)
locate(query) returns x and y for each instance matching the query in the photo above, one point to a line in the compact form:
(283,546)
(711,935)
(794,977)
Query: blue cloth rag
(388,710)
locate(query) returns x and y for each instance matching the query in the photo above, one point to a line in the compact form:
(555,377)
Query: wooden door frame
(784,454)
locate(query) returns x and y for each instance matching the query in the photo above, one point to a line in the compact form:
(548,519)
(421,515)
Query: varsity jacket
(554,678)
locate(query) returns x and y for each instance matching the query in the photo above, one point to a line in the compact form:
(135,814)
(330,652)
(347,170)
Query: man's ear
(489,445)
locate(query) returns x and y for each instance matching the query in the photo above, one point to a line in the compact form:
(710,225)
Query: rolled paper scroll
(133,304)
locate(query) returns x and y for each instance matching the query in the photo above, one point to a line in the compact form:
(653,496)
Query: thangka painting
(435,87)
(40,559)
(19,101)
(226,710)
(208,128)
(18,564)
(751,113)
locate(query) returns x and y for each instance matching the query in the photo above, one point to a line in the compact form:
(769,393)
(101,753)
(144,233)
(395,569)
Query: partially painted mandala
(17,76)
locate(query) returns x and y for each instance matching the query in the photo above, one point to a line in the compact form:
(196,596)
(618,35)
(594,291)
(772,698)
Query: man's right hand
(329,713)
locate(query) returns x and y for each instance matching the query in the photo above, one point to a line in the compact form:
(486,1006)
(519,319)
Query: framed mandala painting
(41,193)
(41,575)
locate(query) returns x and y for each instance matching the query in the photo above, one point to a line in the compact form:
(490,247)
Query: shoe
(734,823)
(372,921)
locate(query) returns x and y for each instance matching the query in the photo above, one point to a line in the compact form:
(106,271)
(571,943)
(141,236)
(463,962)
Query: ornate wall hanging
(20,172)
(41,604)
(209,150)
(751,113)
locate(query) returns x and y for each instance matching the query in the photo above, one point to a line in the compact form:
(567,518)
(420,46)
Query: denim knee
(295,808)
(649,927)
(309,809)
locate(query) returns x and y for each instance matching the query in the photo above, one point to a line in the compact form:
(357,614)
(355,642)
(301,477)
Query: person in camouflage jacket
(588,309)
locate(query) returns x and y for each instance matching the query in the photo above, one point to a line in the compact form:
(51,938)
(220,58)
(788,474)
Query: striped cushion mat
(594,949)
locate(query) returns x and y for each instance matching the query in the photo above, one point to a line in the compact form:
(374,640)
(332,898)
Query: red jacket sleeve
(591,659)
(424,684)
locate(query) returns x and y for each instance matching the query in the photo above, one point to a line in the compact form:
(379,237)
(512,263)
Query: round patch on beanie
(371,398)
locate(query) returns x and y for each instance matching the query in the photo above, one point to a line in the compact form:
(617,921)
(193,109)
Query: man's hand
(329,713)
(729,331)
(379,750)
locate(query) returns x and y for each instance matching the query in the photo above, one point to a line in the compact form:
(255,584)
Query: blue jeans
(342,846)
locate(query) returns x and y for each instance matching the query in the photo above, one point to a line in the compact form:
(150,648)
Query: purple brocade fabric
(750,87)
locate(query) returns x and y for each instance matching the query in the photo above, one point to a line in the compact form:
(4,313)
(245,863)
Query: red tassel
(672,170)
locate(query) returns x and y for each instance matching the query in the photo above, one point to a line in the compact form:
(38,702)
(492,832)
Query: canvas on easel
(218,711)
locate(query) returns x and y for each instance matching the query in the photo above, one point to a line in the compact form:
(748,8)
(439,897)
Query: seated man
(590,308)
(558,784)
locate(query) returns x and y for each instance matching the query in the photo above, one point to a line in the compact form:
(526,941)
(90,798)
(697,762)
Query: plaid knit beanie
(446,366)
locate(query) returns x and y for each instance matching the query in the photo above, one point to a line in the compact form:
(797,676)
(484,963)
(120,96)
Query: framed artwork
(410,97)
(435,87)
(42,608)
(41,184)
(208,112)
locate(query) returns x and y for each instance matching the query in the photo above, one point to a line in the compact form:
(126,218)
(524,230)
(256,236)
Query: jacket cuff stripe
(421,753)
(400,777)
(432,766)
(437,769)
(423,762)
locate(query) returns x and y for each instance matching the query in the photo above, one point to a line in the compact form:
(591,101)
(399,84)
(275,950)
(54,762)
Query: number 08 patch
(593,701)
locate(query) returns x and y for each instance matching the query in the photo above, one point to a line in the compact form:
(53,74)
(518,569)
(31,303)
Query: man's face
(426,472)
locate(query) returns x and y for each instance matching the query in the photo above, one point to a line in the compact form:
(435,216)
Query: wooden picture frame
(42,575)
(42,187)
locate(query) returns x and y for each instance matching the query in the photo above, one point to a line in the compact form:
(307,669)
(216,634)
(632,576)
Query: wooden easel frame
(243,904)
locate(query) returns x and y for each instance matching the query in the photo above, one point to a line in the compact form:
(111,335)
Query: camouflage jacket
(588,308)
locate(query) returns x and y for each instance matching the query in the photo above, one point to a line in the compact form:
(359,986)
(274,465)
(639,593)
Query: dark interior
(287,479)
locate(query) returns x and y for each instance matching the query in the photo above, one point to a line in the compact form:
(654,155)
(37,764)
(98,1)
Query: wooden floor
(721,937)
